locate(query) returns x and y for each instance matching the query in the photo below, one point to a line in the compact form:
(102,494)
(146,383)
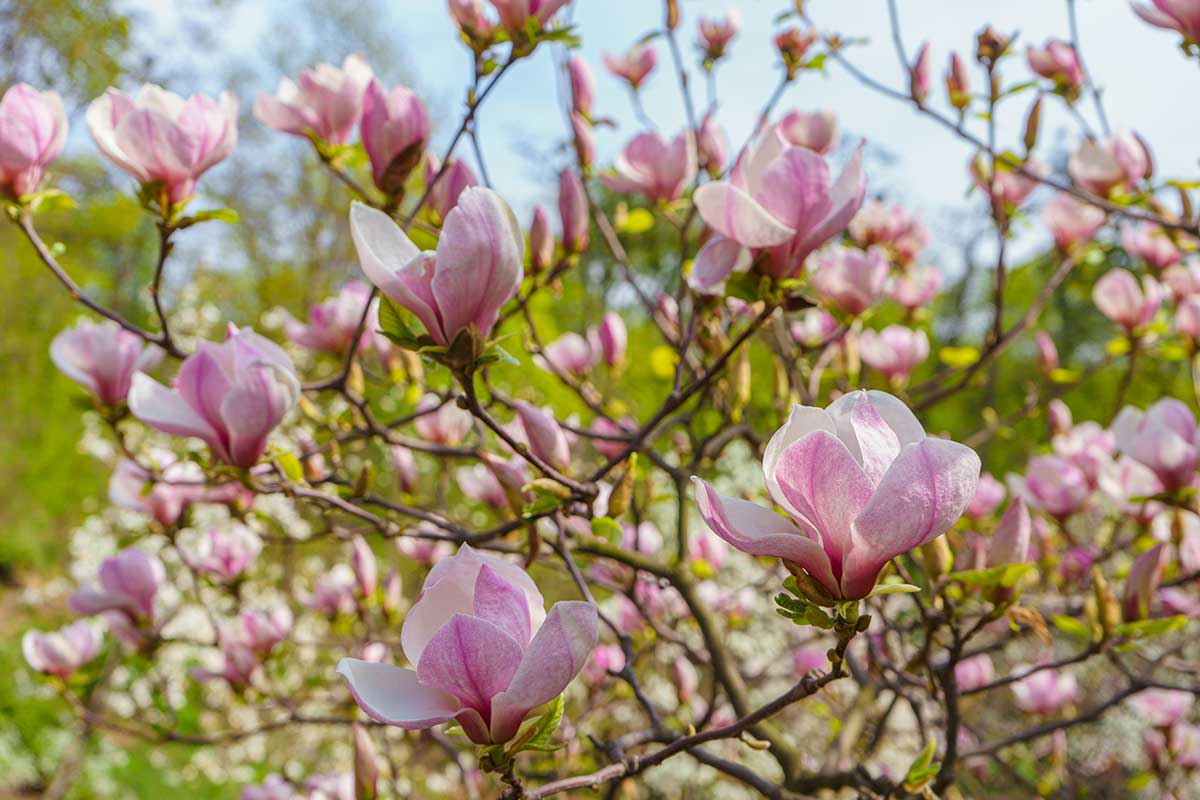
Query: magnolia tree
(420,544)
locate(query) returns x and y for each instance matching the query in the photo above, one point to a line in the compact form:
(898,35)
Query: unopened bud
(809,587)
(937,557)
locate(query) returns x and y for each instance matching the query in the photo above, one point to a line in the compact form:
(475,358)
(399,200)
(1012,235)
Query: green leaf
(227,215)
(923,768)
(958,356)
(540,505)
(607,528)
(496,354)
(1071,626)
(1005,575)
(51,200)
(893,588)
(545,726)
(291,467)
(1149,628)
(393,326)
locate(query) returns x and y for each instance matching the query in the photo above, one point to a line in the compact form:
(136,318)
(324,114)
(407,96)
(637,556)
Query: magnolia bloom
(159,136)
(441,422)
(476,269)
(1162,708)
(1151,243)
(1183,279)
(1187,317)
(1071,221)
(1044,691)
(712,146)
(989,494)
(716,34)
(1173,15)
(583,86)
(174,486)
(1008,187)
(974,673)
(611,338)
(920,75)
(240,664)
(1057,61)
(486,653)
(793,44)
(584,141)
(1010,540)
(1059,416)
(878,222)
(394,129)
(569,353)
(1142,583)
(958,82)
(332,323)
(781,196)
(861,484)
(102,358)
(225,553)
(333,591)
(717,260)
(231,395)
(445,190)
(633,66)
(1119,298)
(63,651)
(515,13)
(546,438)
(1054,485)
(895,351)
(541,241)
(128,583)
(573,211)
(917,287)
(1162,438)
(651,166)
(603,427)
(851,280)
(1121,160)
(1087,446)
(815,327)
(326,101)
(479,483)
(470,18)
(260,630)
(33,130)
(273,787)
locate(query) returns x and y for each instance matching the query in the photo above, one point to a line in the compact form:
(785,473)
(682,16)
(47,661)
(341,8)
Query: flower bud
(958,82)
(919,75)
(573,211)
(366,570)
(546,438)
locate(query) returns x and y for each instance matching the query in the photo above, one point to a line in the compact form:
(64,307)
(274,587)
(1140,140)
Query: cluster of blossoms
(375,550)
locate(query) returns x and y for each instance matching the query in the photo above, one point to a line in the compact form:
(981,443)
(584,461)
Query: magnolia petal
(716,261)
(867,436)
(802,421)
(733,213)
(394,696)
(470,658)
(438,603)
(503,604)
(553,659)
(164,410)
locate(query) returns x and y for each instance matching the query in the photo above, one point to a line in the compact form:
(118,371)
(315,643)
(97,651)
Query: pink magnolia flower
(240,664)
(712,146)
(445,190)
(717,260)
(366,569)
(1162,708)
(1008,187)
(1163,438)
(333,592)
(63,651)
(573,211)
(1122,160)
(974,673)
(569,353)
(1010,540)
(1056,60)
(515,13)
(1142,583)
(861,484)
(815,327)
(1071,221)
(917,288)
(895,351)
(611,448)
(1054,485)
(405,464)
(1187,317)
(651,166)
(611,338)
(546,438)
(782,197)
(851,280)
(1087,446)
(479,483)
(159,136)
(1128,483)
(1183,279)
(920,75)
(707,549)
(989,494)
(332,323)
(584,141)
(273,787)
(225,552)
(330,786)
(441,422)
(174,486)
(632,66)
(793,44)
(424,551)
(878,222)
(716,34)
(231,395)
(807,658)
(1044,691)
(326,101)
(541,241)
(685,678)
(128,583)
(469,17)
(958,82)
(486,653)
(816,131)
(1060,417)
(261,630)
(1175,15)
(1150,243)
(33,130)
(102,358)
(476,269)
(394,129)
(1119,298)
(583,86)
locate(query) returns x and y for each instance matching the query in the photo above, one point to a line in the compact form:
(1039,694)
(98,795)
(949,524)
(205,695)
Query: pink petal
(734,214)
(795,188)
(503,604)
(1010,540)
(761,532)
(437,605)
(164,410)
(802,421)
(924,492)
(159,148)
(472,659)
(252,409)
(555,656)
(716,261)
(867,436)
(845,198)
(393,695)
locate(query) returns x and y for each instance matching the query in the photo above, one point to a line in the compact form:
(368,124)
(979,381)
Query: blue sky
(1148,84)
